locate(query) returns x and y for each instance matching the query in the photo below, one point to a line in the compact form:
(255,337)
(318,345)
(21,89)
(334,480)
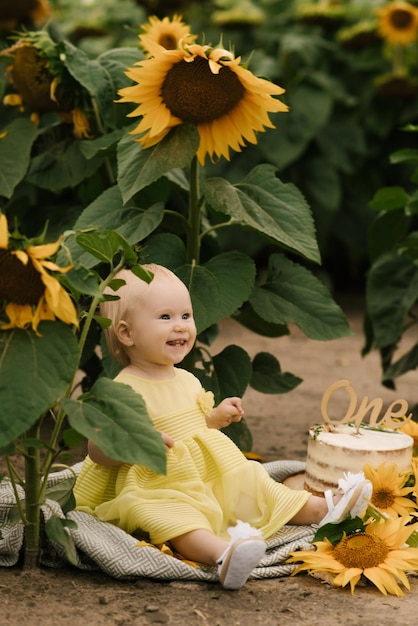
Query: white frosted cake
(334,450)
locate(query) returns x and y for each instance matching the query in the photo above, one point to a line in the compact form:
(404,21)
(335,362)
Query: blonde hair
(116,310)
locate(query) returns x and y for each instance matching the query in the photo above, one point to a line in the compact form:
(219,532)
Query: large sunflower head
(40,81)
(29,291)
(164,33)
(390,495)
(204,86)
(377,554)
(398,23)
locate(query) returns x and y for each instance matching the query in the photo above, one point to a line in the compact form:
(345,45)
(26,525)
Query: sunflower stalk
(100,126)
(196,203)
(398,66)
(33,485)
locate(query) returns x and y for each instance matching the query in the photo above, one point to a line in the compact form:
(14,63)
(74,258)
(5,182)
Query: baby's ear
(123,333)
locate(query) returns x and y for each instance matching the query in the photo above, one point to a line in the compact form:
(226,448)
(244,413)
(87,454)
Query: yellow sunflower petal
(22,256)
(351,575)
(59,300)
(4,232)
(20,316)
(12,100)
(81,125)
(384,581)
(45,250)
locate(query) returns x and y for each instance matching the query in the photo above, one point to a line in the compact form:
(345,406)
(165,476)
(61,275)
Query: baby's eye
(165,316)
(185,316)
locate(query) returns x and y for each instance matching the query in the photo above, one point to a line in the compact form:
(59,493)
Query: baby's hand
(168,441)
(228,411)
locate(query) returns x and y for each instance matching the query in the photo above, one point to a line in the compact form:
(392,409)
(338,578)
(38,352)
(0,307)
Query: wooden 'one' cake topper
(374,407)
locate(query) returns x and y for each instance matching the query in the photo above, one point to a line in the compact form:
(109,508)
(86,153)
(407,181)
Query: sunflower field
(261,149)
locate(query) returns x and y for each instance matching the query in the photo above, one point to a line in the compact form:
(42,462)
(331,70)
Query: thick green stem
(399,67)
(195,209)
(33,481)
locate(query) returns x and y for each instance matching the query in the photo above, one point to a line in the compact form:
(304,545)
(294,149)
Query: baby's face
(161,324)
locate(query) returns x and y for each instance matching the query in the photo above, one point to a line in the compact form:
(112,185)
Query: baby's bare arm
(228,411)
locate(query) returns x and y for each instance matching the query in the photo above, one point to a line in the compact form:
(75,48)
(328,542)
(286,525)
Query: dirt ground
(279,426)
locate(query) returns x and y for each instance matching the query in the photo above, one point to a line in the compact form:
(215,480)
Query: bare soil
(279,426)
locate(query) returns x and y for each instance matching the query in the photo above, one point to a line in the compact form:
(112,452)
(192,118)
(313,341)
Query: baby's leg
(313,511)
(235,559)
(353,500)
(200,545)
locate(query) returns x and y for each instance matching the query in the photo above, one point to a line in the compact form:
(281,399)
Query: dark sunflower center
(401,19)
(19,284)
(361,550)
(383,498)
(195,95)
(168,41)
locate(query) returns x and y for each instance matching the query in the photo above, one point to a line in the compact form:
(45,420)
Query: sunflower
(28,292)
(164,33)
(204,86)
(389,492)
(42,83)
(377,554)
(398,23)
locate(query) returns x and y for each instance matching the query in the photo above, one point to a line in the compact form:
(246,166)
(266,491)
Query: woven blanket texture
(102,546)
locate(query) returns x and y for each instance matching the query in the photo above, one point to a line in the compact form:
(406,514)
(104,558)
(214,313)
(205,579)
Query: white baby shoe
(356,491)
(243,554)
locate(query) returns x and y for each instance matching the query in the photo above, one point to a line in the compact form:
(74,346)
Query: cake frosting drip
(334,450)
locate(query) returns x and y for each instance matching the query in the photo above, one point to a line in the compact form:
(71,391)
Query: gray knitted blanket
(102,546)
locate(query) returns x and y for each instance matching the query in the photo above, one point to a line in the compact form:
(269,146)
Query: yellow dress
(209,483)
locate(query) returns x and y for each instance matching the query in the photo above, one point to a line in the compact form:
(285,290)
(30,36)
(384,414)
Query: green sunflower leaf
(219,287)
(390,301)
(166,249)
(267,376)
(334,531)
(116,419)
(292,294)
(389,199)
(62,166)
(266,205)
(104,244)
(89,73)
(62,493)
(45,366)
(55,529)
(138,168)
(15,149)
(233,370)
